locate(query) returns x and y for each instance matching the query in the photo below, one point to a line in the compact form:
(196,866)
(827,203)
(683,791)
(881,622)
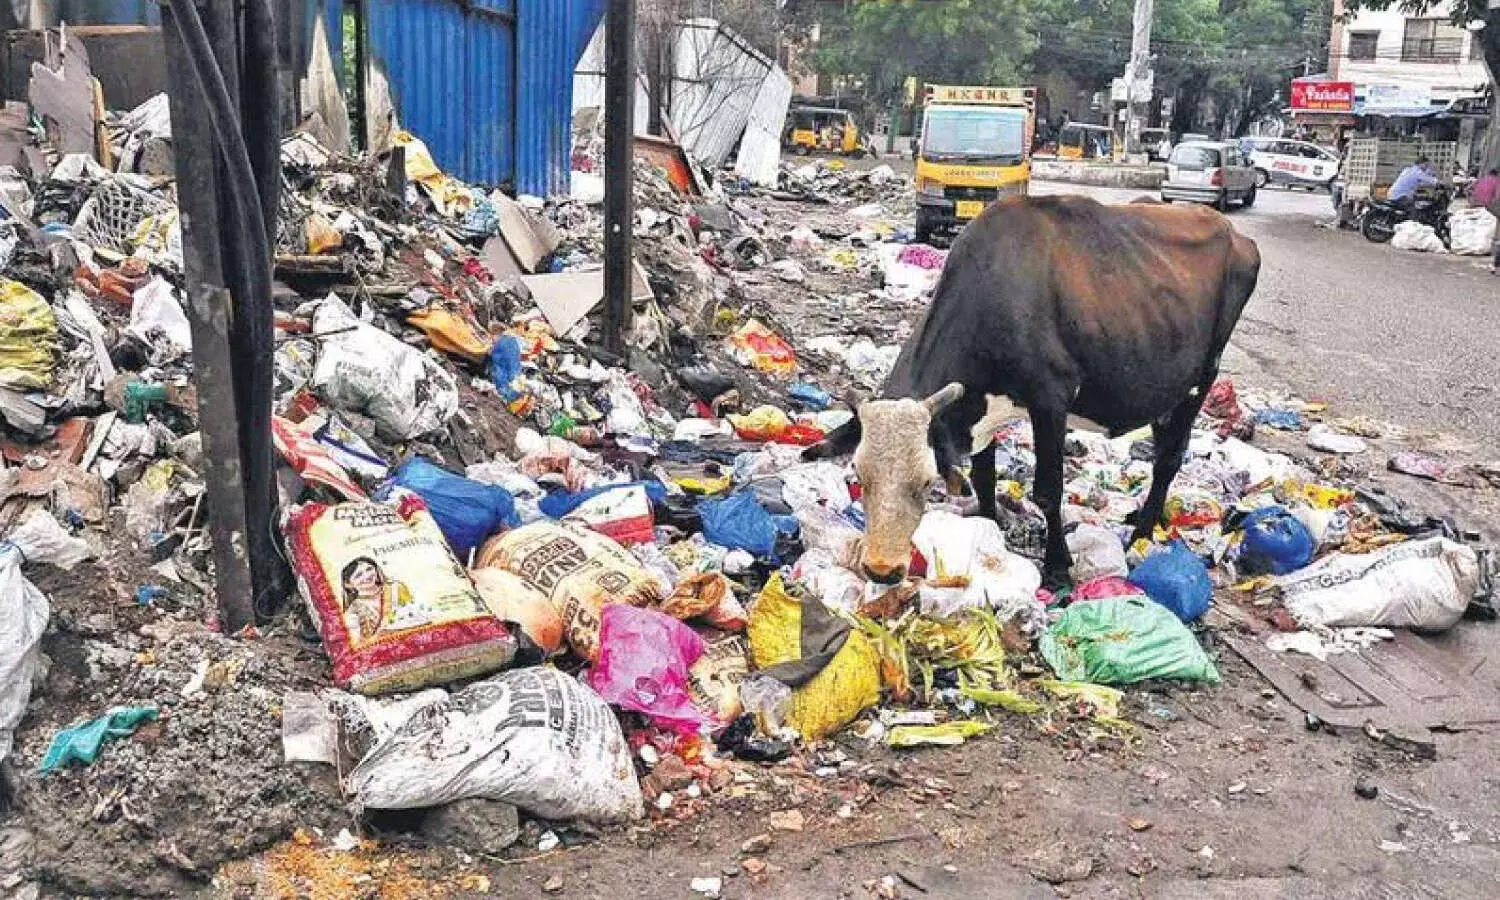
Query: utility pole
(1138,75)
(619,169)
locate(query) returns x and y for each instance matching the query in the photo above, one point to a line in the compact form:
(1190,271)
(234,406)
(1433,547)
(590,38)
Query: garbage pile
(539,578)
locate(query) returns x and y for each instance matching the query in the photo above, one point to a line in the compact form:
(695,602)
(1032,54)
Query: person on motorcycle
(1414,177)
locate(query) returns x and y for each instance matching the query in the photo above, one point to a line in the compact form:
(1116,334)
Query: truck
(974,147)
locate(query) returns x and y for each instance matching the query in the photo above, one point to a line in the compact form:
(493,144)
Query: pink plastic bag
(1102,588)
(644,657)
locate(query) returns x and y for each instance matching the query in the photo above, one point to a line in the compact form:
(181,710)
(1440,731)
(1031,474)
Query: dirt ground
(1219,791)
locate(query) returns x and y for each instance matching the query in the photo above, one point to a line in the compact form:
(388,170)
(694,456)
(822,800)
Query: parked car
(1193,136)
(1292,163)
(1209,172)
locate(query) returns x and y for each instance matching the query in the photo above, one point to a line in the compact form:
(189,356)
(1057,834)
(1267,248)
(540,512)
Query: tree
(883,42)
(1471,14)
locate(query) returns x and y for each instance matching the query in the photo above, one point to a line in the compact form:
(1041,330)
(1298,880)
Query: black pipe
(619,169)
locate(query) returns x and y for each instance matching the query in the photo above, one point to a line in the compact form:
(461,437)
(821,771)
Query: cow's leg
(982,476)
(1049,428)
(1170,434)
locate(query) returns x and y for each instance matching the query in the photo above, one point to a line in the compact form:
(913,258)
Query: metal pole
(209,311)
(1136,73)
(619,169)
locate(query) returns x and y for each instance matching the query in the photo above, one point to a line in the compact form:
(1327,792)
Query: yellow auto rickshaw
(1079,141)
(816,129)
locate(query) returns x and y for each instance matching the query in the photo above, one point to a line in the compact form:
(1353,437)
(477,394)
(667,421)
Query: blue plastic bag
(559,503)
(810,394)
(1275,543)
(505,365)
(1177,579)
(465,510)
(739,522)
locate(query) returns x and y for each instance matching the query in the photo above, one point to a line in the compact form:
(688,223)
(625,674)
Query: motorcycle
(1379,222)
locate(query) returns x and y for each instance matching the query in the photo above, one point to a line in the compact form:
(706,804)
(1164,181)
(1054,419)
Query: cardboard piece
(530,243)
(63,95)
(500,260)
(566,297)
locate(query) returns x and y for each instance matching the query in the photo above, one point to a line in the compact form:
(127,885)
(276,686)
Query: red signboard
(1323,96)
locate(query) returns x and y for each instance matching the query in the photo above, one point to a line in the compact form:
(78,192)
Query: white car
(1209,172)
(1292,163)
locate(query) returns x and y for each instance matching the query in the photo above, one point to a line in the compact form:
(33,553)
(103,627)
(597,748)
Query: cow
(1062,307)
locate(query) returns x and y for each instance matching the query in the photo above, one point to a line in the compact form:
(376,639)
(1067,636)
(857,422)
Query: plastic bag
(1321,437)
(1424,585)
(394,608)
(311,459)
(1275,542)
(82,743)
(534,737)
(468,512)
(1177,579)
(1418,237)
(644,658)
(823,529)
(1097,553)
(452,334)
(1102,588)
(1122,641)
(834,671)
(827,579)
(579,571)
(707,596)
(157,311)
(756,345)
(43,539)
(28,337)
(739,522)
(513,601)
(363,369)
(968,565)
(1471,232)
(505,367)
(23,618)
(815,484)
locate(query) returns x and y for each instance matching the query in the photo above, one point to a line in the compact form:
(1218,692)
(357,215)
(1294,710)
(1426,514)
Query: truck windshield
(975,134)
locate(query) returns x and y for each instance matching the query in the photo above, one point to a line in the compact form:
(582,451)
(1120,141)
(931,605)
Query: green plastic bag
(82,743)
(1122,640)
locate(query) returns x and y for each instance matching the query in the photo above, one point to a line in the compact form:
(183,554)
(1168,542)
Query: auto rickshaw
(815,129)
(1079,141)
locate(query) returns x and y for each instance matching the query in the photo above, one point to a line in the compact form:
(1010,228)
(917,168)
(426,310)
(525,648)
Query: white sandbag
(534,738)
(1471,232)
(363,369)
(23,618)
(1097,553)
(43,539)
(1424,585)
(968,566)
(1418,237)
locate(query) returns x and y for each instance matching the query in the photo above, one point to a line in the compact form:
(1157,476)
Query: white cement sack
(1472,232)
(1418,237)
(23,618)
(535,738)
(1424,585)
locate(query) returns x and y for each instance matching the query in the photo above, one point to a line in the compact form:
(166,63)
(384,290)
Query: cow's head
(895,460)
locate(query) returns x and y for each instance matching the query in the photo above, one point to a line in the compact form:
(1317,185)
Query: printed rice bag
(579,570)
(394,608)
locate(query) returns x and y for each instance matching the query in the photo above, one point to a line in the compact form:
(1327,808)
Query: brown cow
(1061,306)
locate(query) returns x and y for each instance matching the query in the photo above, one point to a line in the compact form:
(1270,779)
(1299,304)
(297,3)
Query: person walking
(1485,194)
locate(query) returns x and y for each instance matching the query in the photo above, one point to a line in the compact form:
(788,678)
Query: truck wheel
(1222,203)
(923,230)
(1249,200)
(1262,178)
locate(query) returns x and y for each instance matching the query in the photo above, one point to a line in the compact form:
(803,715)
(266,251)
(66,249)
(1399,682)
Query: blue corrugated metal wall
(489,89)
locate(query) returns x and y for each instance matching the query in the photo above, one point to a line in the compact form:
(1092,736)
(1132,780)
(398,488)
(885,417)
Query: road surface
(1398,336)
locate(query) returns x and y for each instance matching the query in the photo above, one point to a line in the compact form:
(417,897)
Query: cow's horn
(939,401)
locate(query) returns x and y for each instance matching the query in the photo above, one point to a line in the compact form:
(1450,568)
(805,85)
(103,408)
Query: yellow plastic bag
(321,235)
(845,687)
(449,196)
(452,333)
(28,335)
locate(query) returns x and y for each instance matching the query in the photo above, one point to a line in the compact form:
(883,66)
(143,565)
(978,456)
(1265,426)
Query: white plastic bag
(155,310)
(968,566)
(1321,437)
(1097,553)
(534,737)
(23,618)
(1424,585)
(1418,237)
(821,574)
(1471,232)
(42,539)
(814,483)
(363,369)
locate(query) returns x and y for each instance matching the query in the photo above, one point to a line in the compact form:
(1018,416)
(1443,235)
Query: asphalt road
(1403,337)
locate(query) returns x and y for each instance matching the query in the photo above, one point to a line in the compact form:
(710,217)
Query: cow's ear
(841,441)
